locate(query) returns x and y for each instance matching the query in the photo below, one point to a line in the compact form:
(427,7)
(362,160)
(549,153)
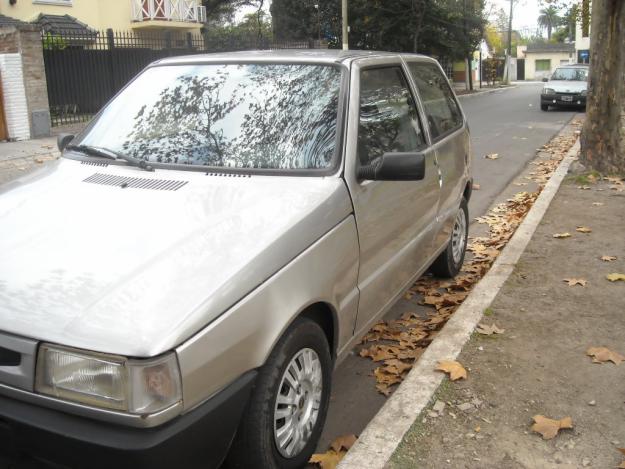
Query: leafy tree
(493,39)
(549,18)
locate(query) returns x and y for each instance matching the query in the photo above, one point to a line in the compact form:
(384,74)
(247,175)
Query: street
(507,122)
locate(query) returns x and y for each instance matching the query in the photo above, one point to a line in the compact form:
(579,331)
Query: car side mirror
(545,79)
(63,140)
(400,166)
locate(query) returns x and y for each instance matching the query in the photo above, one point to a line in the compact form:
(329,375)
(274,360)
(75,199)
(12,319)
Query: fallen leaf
(598,204)
(328,460)
(344,442)
(583,229)
(615,276)
(562,235)
(492,156)
(489,330)
(453,368)
(549,428)
(584,188)
(604,354)
(622,450)
(476,187)
(608,258)
(575,281)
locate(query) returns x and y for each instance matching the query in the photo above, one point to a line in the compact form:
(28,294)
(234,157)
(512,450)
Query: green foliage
(444,28)
(549,18)
(54,42)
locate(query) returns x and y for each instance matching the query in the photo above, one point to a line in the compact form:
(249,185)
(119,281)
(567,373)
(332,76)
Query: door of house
(4,134)
(520,69)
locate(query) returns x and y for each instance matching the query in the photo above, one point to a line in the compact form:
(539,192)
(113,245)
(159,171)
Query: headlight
(549,91)
(584,92)
(110,381)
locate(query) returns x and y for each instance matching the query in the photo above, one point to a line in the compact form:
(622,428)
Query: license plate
(567,98)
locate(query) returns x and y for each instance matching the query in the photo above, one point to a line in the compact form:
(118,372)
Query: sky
(525,12)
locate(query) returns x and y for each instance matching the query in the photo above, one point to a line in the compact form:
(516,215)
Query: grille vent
(230,175)
(9,357)
(136,183)
(94,163)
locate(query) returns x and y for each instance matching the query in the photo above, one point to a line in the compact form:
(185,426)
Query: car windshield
(570,74)
(225,115)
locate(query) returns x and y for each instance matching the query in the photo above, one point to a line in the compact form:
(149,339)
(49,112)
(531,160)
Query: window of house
(441,107)
(389,121)
(543,65)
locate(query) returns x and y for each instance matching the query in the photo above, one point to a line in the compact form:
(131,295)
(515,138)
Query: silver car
(178,288)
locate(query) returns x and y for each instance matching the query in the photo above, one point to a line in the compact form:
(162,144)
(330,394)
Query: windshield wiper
(111,155)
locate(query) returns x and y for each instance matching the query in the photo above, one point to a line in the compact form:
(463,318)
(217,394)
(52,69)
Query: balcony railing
(168,10)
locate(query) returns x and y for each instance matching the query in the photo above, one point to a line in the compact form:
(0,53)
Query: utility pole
(344,20)
(508,58)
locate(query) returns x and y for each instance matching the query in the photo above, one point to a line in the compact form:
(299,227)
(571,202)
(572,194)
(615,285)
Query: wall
(581,43)
(15,105)
(555,57)
(27,79)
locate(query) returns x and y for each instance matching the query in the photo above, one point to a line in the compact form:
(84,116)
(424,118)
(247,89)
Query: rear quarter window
(440,105)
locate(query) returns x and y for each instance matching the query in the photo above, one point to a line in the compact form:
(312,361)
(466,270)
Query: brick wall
(26,40)
(15,104)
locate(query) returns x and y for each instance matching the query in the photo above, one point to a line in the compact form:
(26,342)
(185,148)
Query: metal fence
(83,71)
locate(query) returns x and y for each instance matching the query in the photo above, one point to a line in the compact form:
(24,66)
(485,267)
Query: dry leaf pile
(396,344)
(338,449)
(549,428)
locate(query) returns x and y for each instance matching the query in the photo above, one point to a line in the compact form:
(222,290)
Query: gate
(520,69)
(84,71)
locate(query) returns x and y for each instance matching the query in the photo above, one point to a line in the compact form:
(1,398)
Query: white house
(541,59)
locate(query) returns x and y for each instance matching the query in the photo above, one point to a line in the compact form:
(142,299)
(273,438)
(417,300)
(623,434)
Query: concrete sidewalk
(20,157)
(539,366)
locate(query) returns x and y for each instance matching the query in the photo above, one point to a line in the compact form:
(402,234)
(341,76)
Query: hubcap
(297,403)
(458,236)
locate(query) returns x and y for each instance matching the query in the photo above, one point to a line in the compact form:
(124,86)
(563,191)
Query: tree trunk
(418,10)
(603,134)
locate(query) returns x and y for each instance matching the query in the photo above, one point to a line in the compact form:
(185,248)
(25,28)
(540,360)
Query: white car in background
(567,87)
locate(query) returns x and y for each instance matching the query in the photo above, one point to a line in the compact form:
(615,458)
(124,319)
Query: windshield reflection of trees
(252,116)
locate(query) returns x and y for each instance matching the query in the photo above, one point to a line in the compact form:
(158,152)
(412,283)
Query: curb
(386,430)
(480,93)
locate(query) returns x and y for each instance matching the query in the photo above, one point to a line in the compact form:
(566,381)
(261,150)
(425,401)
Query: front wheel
(284,418)
(449,262)
(544,107)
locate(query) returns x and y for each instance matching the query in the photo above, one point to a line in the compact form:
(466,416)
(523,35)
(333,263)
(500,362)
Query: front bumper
(563,100)
(197,439)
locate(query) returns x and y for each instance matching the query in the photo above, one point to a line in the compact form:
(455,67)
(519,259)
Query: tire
(544,107)
(256,444)
(448,264)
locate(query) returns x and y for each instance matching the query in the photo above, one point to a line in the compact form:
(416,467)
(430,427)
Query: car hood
(566,86)
(136,271)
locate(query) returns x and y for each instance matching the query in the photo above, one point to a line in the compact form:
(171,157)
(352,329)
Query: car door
(449,137)
(395,219)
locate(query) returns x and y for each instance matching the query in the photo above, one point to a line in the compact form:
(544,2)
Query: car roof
(284,56)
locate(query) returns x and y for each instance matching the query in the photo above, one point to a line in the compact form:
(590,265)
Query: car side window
(389,121)
(439,103)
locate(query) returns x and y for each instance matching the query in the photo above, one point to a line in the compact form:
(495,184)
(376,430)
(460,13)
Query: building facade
(121,15)
(542,59)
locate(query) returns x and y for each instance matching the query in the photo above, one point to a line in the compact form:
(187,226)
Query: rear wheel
(283,420)
(449,262)
(544,107)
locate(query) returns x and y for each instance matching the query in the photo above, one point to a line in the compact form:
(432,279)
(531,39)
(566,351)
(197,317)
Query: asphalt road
(507,122)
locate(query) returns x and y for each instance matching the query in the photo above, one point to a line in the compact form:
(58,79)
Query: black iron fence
(83,71)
